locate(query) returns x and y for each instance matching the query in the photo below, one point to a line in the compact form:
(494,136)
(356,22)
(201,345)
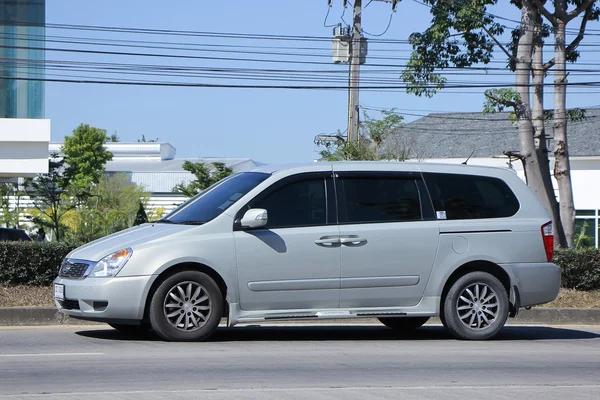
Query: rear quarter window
(457,196)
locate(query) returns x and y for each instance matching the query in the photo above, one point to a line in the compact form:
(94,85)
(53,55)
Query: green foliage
(31,263)
(143,140)
(377,130)
(140,216)
(456,38)
(85,157)
(9,212)
(580,268)
(498,100)
(585,236)
(204,177)
(47,191)
(373,132)
(111,207)
(342,150)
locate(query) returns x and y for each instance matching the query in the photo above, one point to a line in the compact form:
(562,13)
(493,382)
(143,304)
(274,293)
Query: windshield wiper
(163,221)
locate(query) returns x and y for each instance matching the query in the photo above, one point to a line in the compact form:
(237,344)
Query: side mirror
(255,218)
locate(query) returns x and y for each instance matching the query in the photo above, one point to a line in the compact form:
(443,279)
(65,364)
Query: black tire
(194,317)
(133,330)
(403,324)
(479,318)
(443,317)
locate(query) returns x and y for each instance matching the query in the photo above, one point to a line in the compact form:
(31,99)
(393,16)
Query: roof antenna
(468,158)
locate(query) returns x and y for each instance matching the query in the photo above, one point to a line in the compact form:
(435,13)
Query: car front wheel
(476,306)
(186,306)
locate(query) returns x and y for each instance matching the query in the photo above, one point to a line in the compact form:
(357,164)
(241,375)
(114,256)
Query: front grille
(73,269)
(69,304)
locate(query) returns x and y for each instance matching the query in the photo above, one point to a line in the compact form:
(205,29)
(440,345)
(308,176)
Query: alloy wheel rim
(187,306)
(477,306)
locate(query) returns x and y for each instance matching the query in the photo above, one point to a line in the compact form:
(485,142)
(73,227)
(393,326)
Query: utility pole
(351,47)
(354,80)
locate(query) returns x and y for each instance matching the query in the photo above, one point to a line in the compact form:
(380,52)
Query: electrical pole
(354,80)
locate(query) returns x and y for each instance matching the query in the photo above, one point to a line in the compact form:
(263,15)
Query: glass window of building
(587,229)
(22,36)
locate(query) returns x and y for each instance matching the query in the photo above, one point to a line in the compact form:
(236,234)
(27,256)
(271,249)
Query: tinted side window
(299,203)
(4,236)
(381,199)
(470,196)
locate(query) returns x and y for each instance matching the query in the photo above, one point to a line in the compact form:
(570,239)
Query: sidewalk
(30,316)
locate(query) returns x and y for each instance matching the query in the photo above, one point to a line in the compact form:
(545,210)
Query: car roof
(382,166)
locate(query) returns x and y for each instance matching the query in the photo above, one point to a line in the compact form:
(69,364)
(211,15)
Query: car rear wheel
(403,324)
(476,306)
(186,306)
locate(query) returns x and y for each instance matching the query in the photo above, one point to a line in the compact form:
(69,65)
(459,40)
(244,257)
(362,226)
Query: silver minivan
(401,242)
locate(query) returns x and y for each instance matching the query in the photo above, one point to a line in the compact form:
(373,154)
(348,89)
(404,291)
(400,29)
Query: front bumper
(536,283)
(105,299)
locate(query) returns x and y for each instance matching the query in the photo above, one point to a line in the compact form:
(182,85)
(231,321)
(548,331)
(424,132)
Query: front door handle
(328,240)
(352,239)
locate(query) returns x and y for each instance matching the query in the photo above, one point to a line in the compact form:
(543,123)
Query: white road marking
(318,389)
(51,354)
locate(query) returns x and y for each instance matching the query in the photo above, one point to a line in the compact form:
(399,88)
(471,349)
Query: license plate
(59,291)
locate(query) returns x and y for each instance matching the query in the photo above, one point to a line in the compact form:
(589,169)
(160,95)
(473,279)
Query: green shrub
(32,263)
(580,268)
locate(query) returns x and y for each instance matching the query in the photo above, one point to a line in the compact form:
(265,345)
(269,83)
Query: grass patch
(39,296)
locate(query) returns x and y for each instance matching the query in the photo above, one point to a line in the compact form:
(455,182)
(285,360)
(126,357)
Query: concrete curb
(32,316)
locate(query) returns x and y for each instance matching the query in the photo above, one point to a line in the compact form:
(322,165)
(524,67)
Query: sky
(266,125)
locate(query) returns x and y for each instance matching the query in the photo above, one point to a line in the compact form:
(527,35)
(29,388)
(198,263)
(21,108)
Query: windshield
(211,202)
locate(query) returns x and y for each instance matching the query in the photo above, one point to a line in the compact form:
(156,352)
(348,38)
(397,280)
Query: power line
(290,87)
(386,29)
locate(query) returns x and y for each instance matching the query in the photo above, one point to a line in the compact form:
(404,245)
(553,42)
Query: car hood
(143,234)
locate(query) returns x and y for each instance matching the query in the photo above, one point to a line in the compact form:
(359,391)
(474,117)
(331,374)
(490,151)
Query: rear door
(389,238)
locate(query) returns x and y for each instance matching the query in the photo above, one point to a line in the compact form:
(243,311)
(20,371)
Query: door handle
(352,239)
(328,240)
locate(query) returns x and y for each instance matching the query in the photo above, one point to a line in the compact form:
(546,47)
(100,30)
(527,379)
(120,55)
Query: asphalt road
(298,362)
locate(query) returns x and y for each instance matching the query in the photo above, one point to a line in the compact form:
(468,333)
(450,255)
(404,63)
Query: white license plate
(59,291)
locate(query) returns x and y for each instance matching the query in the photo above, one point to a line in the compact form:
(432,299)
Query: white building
(23,148)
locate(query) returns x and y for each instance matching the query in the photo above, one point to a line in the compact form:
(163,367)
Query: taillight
(548,238)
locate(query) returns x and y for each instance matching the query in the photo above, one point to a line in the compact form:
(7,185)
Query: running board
(380,314)
(290,317)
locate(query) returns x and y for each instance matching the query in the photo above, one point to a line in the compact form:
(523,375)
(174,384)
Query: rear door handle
(328,240)
(352,239)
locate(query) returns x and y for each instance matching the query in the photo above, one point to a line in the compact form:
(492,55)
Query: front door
(294,261)
(388,247)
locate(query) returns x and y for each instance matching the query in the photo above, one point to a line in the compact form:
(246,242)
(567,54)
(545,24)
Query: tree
(563,53)
(373,133)
(338,148)
(49,197)
(140,217)
(464,33)
(10,210)
(113,205)
(85,157)
(114,138)
(143,140)
(204,177)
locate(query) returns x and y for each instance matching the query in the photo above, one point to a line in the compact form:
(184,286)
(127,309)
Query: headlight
(111,264)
